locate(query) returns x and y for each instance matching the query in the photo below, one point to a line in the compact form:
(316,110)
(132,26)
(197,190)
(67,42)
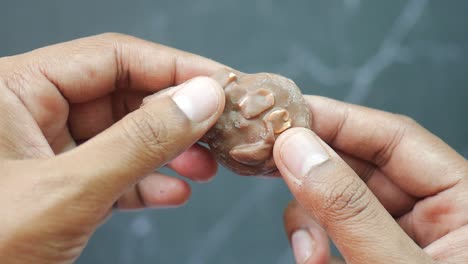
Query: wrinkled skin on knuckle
(406,122)
(26,76)
(3,85)
(346,199)
(6,65)
(117,41)
(17,80)
(148,133)
(114,36)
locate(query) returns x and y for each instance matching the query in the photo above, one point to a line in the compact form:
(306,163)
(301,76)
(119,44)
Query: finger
(165,126)
(451,248)
(47,80)
(63,142)
(42,102)
(416,160)
(302,227)
(196,163)
(90,68)
(308,240)
(20,137)
(336,260)
(331,191)
(392,197)
(155,191)
(88,119)
(435,216)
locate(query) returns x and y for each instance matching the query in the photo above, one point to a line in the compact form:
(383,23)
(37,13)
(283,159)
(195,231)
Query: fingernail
(302,245)
(148,98)
(198,98)
(301,152)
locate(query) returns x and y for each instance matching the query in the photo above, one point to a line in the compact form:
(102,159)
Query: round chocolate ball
(259,107)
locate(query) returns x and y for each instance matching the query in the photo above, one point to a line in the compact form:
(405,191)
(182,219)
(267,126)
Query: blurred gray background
(408,57)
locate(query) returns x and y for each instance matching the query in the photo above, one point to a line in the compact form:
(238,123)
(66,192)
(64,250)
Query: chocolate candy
(259,107)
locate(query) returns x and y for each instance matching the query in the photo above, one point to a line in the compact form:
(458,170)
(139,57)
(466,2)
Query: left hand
(53,193)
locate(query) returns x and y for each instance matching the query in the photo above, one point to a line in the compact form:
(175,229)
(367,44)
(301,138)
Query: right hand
(389,191)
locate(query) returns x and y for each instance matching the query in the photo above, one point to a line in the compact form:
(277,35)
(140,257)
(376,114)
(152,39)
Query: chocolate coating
(259,107)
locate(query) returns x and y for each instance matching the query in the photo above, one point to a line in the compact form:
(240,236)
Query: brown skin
(54,194)
(400,197)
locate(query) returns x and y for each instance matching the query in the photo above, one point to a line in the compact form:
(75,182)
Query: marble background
(408,57)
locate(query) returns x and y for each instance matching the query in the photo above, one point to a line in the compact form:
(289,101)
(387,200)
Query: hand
(381,186)
(53,194)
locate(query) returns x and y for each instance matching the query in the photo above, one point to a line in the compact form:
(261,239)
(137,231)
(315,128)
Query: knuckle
(118,45)
(3,85)
(116,39)
(16,81)
(113,36)
(148,132)
(4,65)
(385,152)
(345,113)
(400,129)
(406,120)
(347,199)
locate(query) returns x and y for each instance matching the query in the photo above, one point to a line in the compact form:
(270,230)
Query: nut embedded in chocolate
(259,107)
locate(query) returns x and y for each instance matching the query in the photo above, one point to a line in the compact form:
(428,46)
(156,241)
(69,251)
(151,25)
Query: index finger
(89,68)
(415,159)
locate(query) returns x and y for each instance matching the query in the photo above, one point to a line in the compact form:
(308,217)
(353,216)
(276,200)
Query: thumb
(330,190)
(163,127)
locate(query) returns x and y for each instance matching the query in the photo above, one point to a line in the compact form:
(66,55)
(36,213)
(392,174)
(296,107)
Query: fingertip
(161,191)
(178,194)
(303,245)
(295,217)
(298,151)
(279,143)
(219,91)
(286,135)
(200,99)
(309,240)
(197,163)
(310,245)
(181,193)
